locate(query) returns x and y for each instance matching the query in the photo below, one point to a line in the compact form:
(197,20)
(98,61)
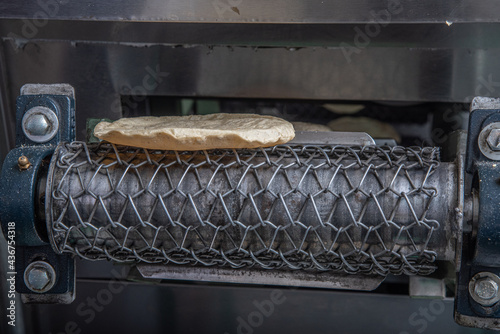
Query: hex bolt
(40,124)
(23,162)
(493,140)
(38,279)
(486,288)
(39,276)
(37,125)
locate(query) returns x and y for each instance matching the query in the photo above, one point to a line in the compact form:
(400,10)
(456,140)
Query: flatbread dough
(197,132)
(305,126)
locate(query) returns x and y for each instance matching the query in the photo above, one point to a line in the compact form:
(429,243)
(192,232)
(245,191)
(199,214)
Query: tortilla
(197,132)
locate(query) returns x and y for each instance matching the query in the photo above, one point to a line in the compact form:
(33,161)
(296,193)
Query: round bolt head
(493,140)
(37,125)
(486,288)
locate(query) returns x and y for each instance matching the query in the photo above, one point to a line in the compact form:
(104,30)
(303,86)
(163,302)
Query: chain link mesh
(329,208)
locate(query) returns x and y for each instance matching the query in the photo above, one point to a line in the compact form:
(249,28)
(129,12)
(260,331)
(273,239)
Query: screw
(23,162)
(486,288)
(493,140)
(37,125)
(40,124)
(39,276)
(38,279)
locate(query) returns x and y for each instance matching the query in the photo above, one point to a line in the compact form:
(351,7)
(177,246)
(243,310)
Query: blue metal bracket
(481,247)
(18,190)
(487,252)
(21,190)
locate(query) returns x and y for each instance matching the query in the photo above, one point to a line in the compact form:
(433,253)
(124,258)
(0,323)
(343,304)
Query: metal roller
(348,209)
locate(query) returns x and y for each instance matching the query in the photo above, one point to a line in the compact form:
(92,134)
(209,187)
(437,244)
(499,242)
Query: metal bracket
(478,279)
(63,284)
(35,114)
(45,116)
(22,182)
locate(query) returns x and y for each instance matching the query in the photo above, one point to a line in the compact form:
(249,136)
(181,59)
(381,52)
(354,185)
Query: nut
(493,140)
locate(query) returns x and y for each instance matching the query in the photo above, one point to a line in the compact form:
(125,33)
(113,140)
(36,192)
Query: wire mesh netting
(367,210)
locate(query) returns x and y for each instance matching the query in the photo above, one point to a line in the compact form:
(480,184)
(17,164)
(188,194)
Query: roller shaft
(369,210)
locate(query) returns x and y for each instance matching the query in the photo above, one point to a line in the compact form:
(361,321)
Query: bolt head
(486,288)
(493,140)
(38,125)
(38,278)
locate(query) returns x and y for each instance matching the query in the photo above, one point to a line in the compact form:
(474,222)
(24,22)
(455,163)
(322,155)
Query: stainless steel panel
(259,11)
(414,35)
(98,71)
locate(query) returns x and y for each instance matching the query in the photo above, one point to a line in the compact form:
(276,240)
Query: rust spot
(359,197)
(236,10)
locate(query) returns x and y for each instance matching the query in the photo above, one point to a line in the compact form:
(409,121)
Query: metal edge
(54,89)
(332,138)
(261,277)
(460,210)
(477,322)
(484,103)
